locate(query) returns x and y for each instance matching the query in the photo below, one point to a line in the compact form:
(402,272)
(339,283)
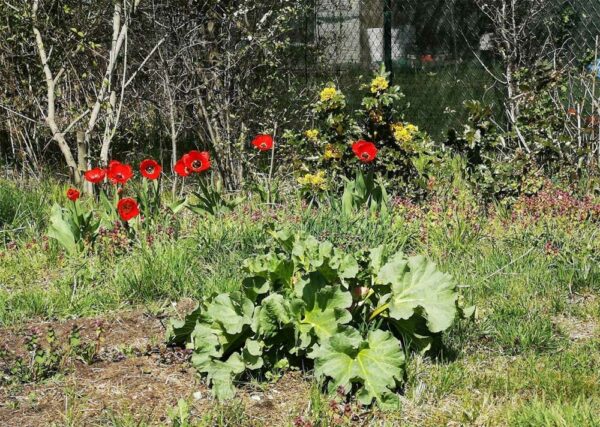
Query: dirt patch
(133,376)
(582,298)
(131,329)
(138,387)
(577,329)
(276,403)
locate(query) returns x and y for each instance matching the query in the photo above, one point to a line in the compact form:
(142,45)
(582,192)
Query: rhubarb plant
(353,317)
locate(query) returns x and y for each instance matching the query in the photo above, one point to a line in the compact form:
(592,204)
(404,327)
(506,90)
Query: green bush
(404,153)
(354,315)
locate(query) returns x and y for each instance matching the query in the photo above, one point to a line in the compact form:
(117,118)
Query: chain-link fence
(441,52)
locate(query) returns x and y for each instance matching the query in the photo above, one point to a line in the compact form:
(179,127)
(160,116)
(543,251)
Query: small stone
(197,395)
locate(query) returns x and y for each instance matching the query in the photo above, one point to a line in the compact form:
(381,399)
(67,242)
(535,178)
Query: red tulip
(364,150)
(128,208)
(181,169)
(95,175)
(72,194)
(150,169)
(119,173)
(196,161)
(263,142)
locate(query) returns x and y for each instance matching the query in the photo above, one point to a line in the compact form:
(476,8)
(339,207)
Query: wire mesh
(442,51)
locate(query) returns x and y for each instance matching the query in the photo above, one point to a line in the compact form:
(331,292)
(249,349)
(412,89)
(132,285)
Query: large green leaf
(391,271)
(311,255)
(232,311)
(252,354)
(320,310)
(272,315)
(207,358)
(267,272)
(376,363)
(419,287)
(220,327)
(348,266)
(216,336)
(179,331)
(285,238)
(63,230)
(221,375)
(415,333)
(307,253)
(207,343)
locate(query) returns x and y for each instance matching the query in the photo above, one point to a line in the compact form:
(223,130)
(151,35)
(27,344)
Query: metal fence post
(387,38)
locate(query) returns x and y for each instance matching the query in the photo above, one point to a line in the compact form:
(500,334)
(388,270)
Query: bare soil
(133,375)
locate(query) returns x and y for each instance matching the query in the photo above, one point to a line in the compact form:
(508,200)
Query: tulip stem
(272,165)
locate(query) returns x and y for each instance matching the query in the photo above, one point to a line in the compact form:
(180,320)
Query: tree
(521,37)
(84,109)
(225,70)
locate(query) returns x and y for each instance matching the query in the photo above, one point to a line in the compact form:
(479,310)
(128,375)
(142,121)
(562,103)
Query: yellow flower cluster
(311,134)
(379,84)
(404,133)
(328,93)
(331,152)
(314,181)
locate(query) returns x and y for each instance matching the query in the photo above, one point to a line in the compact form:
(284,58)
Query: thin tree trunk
(50,118)
(82,160)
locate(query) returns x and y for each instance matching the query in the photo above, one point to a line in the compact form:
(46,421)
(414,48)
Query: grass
(530,358)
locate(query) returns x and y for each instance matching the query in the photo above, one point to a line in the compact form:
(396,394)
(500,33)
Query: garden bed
(135,377)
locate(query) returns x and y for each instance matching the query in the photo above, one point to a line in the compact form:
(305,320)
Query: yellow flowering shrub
(328,93)
(404,134)
(313,182)
(332,152)
(312,134)
(379,84)
(326,144)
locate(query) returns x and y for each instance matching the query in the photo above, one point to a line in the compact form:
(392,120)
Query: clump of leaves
(72,229)
(209,200)
(364,191)
(354,315)
(86,351)
(40,362)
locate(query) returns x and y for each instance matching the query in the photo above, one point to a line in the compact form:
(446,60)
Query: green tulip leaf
(63,230)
